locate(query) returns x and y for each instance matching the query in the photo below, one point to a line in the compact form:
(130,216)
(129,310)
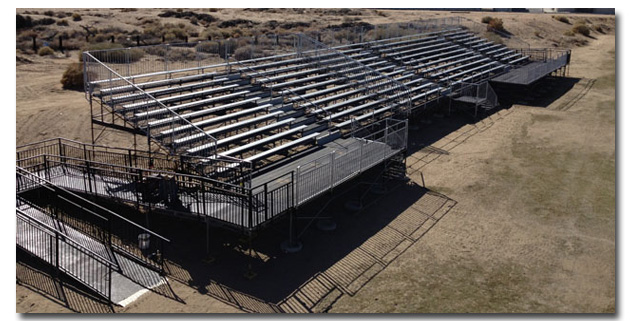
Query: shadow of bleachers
(540,94)
(331,264)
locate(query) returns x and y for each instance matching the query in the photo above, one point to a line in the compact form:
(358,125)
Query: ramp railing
(122,234)
(187,164)
(65,254)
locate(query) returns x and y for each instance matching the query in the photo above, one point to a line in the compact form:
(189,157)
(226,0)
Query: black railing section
(111,229)
(64,254)
(186,164)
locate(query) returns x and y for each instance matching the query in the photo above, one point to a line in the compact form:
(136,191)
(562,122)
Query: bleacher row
(266,107)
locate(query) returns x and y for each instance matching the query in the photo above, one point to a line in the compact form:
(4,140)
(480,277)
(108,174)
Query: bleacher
(266,107)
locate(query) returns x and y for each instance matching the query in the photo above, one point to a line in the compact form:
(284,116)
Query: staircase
(395,169)
(480,96)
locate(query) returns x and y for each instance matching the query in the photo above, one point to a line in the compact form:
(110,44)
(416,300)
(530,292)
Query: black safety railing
(102,224)
(64,254)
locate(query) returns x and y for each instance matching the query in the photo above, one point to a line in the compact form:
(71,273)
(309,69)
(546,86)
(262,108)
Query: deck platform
(524,75)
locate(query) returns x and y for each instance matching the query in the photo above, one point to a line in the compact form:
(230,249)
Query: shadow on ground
(40,278)
(331,264)
(540,94)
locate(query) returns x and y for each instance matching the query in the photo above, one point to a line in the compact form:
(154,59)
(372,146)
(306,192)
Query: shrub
(22,22)
(208,47)
(381,13)
(569,33)
(73,76)
(76,17)
(492,36)
(563,19)
(487,19)
(235,23)
(582,29)
(497,24)
(44,21)
(49,13)
(62,22)
(113,56)
(213,9)
(247,52)
(45,51)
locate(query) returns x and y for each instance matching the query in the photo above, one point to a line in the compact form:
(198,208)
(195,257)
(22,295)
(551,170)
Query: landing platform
(524,75)
(352,157)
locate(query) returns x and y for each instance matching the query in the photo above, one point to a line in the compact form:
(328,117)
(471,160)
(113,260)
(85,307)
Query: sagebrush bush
(113,56)
(45,51)
(569,33)
(62,22)
(497,24)
(563,19)
(487,19)
(76,17)
(582,29)
(247,52)
(73,76)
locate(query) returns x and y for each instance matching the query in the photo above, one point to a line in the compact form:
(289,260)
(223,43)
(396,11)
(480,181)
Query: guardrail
(64,254)
(104,225)
(326,172)
(214,169)
(172,120)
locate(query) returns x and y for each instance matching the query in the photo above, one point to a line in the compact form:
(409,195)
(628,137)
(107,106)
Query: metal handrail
(132,169)
(42,181)
(67,237)
(155,100)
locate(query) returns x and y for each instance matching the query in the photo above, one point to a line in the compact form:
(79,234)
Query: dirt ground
(530,225)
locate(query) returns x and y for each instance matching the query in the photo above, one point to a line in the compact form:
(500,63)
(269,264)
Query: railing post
(109,282)
(203,199)
(265,194)
(331,163)
(57,250)
(296,184)
(361,155)
(250,208)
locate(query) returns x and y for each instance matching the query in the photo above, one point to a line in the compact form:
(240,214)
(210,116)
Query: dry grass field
(528,224)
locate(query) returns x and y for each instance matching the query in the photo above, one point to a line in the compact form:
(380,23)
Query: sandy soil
(531,229)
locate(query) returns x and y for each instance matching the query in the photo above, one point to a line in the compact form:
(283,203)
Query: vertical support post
(361,154)
(296,184)
(250,208)
(331,163)
(291,228)
(207,236)
(266,205)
